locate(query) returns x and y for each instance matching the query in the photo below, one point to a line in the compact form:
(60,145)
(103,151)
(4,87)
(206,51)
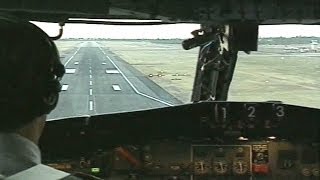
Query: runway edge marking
(131,84)
(65,64)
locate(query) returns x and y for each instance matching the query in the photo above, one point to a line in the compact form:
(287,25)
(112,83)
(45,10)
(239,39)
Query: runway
(97,81)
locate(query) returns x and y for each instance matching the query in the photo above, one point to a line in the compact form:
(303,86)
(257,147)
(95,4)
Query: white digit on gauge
(252,112)
(280,111)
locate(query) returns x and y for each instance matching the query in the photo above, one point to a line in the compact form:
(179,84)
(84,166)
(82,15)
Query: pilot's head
(30,70)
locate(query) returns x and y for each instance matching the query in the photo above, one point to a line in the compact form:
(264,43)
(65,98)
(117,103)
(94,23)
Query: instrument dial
(220,167)
(201,167)
(240,167)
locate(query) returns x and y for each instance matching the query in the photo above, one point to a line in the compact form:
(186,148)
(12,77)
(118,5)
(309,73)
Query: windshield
(284,69)
(113,69)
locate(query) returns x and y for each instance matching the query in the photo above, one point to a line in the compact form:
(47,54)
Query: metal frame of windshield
(218,57)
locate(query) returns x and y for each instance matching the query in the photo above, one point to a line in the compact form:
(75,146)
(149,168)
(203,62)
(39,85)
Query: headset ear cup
(49,102)
(50,99)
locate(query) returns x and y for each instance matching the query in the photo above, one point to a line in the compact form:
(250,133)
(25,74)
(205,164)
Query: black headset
(45,100)
(51,94)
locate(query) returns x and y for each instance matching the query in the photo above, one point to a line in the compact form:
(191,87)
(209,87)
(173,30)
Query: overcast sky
(165,31)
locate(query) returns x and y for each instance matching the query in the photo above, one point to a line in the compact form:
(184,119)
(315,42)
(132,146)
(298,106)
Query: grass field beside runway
(66,46)
(258,77)
(293,80)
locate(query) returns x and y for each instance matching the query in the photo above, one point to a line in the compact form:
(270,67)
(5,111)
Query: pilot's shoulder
(40,172)
(1,177)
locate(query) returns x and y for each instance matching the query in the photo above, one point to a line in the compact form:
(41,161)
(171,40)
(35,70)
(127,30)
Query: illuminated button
(95,170)
(260,168)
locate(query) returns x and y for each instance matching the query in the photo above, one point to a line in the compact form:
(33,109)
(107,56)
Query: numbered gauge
(221,115)
(220,167)
(279,110)
(201,167)
(240,167)
(279,113)
(251,114)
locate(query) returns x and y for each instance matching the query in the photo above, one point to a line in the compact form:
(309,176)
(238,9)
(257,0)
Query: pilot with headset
(30,71)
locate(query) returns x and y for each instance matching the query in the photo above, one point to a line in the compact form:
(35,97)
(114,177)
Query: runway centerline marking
(65,64)
(90,76)
(90,105)
(90,82)
(131,84)
(90,92)
(90,71)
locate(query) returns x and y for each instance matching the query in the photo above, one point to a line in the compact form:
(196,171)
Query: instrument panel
(200,141)
(178,159)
